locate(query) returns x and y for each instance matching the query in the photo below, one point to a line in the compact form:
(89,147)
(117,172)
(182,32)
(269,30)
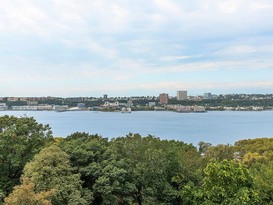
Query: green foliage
(263,180)
(251,158)
(51,169)
(88,169)
(220,152)
(186,164)
(131,169)
(87,154)
(251,151)
(24,194)
(145,166)
(228,182)
(20,140)
(229,102)
(263,146)
(111,185)
(151,165)
(191,194)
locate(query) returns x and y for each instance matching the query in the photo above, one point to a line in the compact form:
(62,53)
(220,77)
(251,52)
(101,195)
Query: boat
(126,110)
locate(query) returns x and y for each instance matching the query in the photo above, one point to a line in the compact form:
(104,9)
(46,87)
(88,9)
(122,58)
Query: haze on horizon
(127,48)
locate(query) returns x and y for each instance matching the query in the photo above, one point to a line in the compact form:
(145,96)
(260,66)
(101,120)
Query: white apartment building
(3,106)
(182,95)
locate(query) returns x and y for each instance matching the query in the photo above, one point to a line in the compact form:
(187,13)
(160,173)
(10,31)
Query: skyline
(81,48)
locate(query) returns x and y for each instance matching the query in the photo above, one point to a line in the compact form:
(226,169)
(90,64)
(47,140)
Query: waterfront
(216,127)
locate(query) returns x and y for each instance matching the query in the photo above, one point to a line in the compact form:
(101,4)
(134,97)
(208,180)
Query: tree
(262,146)
(203,147)
(88,155)
(24,194)
(112,185)
(20,140)
(191,194)
(51,169)
(101,170)
(228,182)
(251,158)
(220,152)
(151,164)
(131,169)
(263,181)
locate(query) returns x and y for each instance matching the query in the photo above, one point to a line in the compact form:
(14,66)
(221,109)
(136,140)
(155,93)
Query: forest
(81,169)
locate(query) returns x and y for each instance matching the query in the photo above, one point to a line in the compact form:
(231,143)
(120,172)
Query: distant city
(182,102)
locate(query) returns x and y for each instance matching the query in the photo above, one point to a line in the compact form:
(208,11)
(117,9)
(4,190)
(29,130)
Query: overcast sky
(140,47)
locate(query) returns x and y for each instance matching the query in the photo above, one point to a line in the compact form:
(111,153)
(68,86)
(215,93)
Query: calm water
(216,127)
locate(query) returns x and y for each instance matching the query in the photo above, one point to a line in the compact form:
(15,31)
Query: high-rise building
(105,97)
(182,95)
(163,98)
(207,96)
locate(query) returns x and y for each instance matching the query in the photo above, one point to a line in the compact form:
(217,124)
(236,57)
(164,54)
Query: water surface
(216,127)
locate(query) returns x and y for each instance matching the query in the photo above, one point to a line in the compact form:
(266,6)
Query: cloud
(168,6)
(172,87)
(235,50)
(124,45)
(228,7)
(245,49)
(174,58)
(22,17)
(261,6)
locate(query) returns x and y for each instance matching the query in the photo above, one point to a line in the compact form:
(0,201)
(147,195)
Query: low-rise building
(32,103)
(3,106)
(32,107)
(24,108)
(81,105)
(151,104)
(60,108)
(108,104)
(44,107)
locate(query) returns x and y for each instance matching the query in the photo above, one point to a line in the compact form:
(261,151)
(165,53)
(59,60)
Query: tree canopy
(84,169)
(51,170)
(20,140)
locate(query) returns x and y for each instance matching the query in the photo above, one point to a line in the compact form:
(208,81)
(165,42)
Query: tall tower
(105,97)
(182,95)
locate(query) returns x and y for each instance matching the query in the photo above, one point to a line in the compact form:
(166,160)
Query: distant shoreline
(119,111)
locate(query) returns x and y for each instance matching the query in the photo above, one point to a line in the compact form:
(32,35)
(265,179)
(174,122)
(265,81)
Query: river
(216,127)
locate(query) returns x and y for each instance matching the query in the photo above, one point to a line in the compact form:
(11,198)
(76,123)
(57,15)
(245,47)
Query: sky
(135,48)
